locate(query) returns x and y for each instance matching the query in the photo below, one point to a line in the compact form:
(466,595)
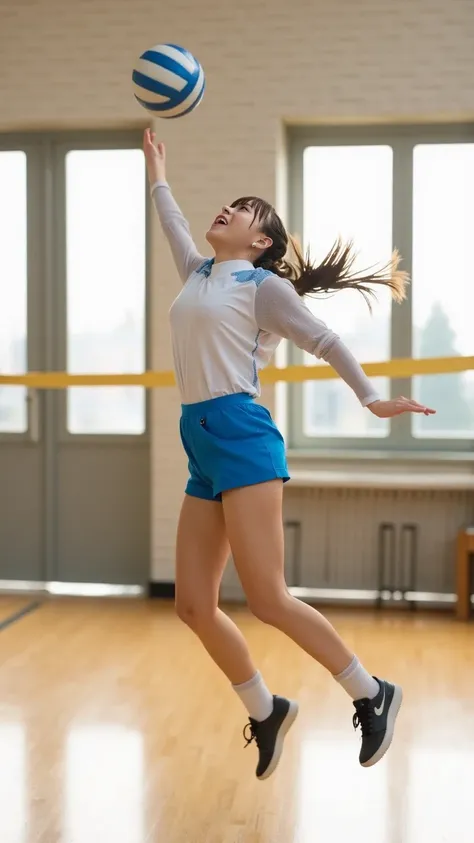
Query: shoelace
(253,734)
(364,717)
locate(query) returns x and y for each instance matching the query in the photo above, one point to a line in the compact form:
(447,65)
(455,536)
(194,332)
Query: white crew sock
(256,697)
(357,682)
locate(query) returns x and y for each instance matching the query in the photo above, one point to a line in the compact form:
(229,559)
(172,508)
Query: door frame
(47,313)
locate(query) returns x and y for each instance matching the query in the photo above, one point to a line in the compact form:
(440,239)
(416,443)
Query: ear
(263,243)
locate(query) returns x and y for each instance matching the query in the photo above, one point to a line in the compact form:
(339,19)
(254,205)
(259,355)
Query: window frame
(403,139)
(46,262)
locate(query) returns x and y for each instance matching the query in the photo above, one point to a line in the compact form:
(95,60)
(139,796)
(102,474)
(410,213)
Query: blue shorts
(230,442)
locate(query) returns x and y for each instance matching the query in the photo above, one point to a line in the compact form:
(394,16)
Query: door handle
(33,414)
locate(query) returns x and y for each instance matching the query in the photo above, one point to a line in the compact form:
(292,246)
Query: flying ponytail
(334,273)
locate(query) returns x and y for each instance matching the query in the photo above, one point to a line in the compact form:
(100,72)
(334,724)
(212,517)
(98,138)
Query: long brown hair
(333,273)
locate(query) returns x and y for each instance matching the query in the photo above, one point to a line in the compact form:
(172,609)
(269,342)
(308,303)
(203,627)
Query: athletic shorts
(230,442)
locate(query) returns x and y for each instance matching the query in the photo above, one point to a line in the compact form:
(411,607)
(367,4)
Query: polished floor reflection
(116,728)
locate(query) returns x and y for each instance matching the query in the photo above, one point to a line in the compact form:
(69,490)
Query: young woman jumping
(226,323)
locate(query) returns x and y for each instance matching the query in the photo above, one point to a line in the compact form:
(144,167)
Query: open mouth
(220,220)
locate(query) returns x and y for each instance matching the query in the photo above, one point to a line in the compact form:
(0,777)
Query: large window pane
(106,286)
(348,194)
(443,283)
(13,287)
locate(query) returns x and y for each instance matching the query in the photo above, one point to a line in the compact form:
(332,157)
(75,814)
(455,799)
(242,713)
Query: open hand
(387,409)
(155,156)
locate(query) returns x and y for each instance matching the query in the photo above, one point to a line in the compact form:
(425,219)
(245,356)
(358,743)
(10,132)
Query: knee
(269,608)
(195,615)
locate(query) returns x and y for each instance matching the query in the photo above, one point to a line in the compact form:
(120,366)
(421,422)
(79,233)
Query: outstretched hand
(155,156)
(388,409)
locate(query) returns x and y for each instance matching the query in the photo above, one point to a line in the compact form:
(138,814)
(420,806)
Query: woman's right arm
(174,225)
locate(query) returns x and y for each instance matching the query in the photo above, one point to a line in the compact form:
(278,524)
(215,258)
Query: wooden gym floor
(115,727)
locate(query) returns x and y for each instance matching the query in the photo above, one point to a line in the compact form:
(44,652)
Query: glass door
(22,548)
(74,464)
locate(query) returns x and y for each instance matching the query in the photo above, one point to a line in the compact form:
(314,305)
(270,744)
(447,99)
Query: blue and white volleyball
(168,81)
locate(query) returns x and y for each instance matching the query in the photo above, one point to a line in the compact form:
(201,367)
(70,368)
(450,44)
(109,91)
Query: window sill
(382,469)
(382,457)
(355,478)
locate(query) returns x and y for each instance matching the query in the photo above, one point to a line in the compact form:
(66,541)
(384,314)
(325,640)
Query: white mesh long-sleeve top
(229,318)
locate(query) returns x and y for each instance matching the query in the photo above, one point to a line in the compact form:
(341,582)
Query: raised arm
(280,310)
(174,225)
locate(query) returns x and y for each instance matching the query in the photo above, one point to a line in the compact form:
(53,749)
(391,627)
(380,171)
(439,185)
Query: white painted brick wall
(67,63)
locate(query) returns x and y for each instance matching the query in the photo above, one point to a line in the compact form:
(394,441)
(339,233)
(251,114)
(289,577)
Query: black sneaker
(269,735)
(377,721)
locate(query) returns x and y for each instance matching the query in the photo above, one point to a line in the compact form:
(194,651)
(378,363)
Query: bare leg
(202,550)
(254,526)
(259,558)
(201,553)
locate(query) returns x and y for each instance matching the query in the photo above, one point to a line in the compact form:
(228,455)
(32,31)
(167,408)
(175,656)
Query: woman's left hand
(387,409)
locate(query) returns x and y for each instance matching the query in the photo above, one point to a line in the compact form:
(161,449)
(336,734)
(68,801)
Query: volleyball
(168,81)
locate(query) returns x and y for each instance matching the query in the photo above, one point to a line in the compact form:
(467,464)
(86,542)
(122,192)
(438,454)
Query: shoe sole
(282,733)
(391,718)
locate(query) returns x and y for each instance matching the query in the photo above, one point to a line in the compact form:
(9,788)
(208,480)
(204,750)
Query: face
(236,230)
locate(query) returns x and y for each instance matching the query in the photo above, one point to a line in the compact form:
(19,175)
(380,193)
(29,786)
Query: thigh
(202,550)
(254,525)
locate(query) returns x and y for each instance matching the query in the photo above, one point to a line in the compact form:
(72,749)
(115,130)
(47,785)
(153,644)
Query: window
(13,287)
(410,188)
(105,212)
(443,283)
(348,193)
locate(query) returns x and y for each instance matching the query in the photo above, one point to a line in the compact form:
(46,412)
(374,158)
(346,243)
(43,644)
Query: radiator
(360,541)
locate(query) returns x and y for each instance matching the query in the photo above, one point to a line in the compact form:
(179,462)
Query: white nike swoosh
(379,711)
